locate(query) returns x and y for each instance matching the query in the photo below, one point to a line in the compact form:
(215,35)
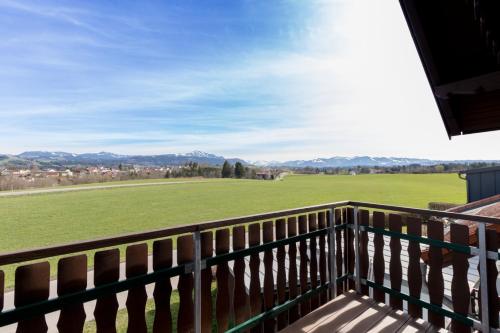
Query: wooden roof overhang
(459,45)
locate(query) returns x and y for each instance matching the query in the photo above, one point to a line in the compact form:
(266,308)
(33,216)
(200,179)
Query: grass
(46,219)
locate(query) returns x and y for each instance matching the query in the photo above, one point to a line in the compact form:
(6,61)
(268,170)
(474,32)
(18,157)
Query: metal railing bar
(483,273)
(261,248)
(331,253)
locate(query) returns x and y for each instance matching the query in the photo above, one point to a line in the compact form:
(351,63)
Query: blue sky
(268,80)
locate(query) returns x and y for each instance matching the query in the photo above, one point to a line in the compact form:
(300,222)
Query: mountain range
(59,159)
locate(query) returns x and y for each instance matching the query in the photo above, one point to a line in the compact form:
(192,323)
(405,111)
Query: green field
(45,219)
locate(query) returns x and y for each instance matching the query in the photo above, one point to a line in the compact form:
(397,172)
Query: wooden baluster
(395,268)
(255,292)
(222,302)
(281,274)
(493,305)
(460,292)
(350,247)
(136,264)
(313,226)
(293,290)
(414,273)
(378,257)
(305,306)
(322,258)
(364,220)
(2,289)
(185,255)
(71,278)
(435,280)
(241,302)
(207,251)
(339,258)
(106,270)
(32,286)
(268,237)
(162,259)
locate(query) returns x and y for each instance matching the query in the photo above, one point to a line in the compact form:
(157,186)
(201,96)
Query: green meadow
(47,219)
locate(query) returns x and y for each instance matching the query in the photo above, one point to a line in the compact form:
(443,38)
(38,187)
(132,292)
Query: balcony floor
(351,312)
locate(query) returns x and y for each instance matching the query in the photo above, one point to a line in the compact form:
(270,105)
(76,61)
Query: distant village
(15,178)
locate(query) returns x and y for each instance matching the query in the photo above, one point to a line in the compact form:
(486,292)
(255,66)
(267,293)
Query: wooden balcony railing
(270,270)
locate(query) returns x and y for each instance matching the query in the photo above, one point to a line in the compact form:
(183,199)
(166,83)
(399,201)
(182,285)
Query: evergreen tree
(226,170)
(239,170)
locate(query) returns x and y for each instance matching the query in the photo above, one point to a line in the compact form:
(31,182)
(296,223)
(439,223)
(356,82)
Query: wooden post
(338,253)
(71,278)
(207,251)
(364,220)
(305,306)
(493,305)
(241,304)
(268,237)
(436,284)
(281,274)
(32,286)
(378,257)
(137,264)
(255,292)
(414,226)
(313,260)
(350,257)
(460,292)
(185,255)
(322,257)
(222,302)
(162,258)
(293,289)
(106,270)
(395,268)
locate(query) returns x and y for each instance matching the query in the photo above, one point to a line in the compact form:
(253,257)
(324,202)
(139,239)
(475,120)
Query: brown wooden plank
(493,305)
(460,292)
(268,237)
(136,264)
(364,220)
(378,257)
(162,259)
(313,275)
(185,254)
(241,301)
(207,251)
(414,274)
(435,280)
(222,303)
(323,297)
(255,292)
(281,274)
(32,286)
(106,270)
(350,262)
(339,257)
(395,268)
(293,290)
(71,278)
(305,306)
(2,289)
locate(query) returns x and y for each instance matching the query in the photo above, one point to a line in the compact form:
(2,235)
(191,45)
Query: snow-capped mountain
(106,158)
